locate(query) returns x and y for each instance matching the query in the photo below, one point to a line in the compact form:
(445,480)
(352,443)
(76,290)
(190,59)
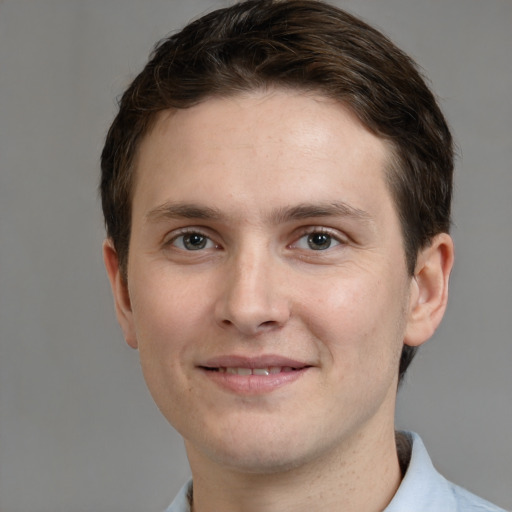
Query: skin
(236,251)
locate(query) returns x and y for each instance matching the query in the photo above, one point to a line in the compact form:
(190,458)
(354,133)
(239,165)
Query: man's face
(267,283)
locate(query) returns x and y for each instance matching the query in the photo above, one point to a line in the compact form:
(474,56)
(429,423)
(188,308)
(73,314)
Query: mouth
(269,370)
(252,376)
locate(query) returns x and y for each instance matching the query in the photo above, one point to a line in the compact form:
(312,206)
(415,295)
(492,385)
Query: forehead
(296,145)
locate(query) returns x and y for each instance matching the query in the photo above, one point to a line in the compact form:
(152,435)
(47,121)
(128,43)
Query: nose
(253,299)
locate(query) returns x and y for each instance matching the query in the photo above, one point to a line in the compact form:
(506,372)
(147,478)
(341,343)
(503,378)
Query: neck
(361,476)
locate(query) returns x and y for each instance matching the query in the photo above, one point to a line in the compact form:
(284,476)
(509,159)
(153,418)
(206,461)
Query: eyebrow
(172,210)
(306,211)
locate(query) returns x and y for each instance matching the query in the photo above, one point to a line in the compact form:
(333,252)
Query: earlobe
(429,289)
(120,293)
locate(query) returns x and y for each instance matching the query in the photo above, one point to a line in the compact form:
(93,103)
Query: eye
(192,242)
(317,241)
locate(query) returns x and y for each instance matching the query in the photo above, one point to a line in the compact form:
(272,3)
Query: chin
(262,453)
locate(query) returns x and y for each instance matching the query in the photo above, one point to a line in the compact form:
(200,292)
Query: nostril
(249,327)
(252,313)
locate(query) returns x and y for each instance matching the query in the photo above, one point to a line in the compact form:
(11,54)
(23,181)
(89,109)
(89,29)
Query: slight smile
(254,371)
(253,376)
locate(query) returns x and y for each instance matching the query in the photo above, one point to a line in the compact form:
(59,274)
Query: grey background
(78,430)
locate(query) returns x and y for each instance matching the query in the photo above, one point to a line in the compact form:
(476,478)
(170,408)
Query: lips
(262,365)
(246,375)
(270,370)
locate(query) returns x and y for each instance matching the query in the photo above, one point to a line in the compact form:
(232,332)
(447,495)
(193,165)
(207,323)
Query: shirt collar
(422,484)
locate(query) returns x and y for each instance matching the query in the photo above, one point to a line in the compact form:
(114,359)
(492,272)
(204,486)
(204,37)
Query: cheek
(167,317)
(165,305)
(167,321)
(360,324)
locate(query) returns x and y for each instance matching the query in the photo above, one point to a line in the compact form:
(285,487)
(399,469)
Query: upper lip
(265,361)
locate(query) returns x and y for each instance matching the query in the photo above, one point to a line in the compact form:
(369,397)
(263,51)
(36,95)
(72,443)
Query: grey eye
(319,241)
(193,242)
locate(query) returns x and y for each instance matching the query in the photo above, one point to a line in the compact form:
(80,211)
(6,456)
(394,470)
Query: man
(276,189)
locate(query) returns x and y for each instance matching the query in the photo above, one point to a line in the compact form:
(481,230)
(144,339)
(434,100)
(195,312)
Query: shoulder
(468,502)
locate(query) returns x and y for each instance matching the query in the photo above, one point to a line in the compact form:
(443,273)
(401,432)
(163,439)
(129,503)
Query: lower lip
(254,384)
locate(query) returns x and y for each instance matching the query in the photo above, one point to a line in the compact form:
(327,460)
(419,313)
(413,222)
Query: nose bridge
(252,300)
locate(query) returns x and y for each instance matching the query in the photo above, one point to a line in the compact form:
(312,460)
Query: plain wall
(78,430)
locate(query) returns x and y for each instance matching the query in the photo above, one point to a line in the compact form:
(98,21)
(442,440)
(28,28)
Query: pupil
(318,241)
(195,242)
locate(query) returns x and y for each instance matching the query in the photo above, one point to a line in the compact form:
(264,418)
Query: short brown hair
(295,44)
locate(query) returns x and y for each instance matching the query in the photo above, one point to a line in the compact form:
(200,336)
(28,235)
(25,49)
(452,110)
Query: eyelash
(190,232)
(314,230)
(306,232)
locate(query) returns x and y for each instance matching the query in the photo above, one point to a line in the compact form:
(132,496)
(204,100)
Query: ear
(120,292)
(429,290)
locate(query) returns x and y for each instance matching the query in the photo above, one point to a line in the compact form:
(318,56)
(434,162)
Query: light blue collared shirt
(422,489)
